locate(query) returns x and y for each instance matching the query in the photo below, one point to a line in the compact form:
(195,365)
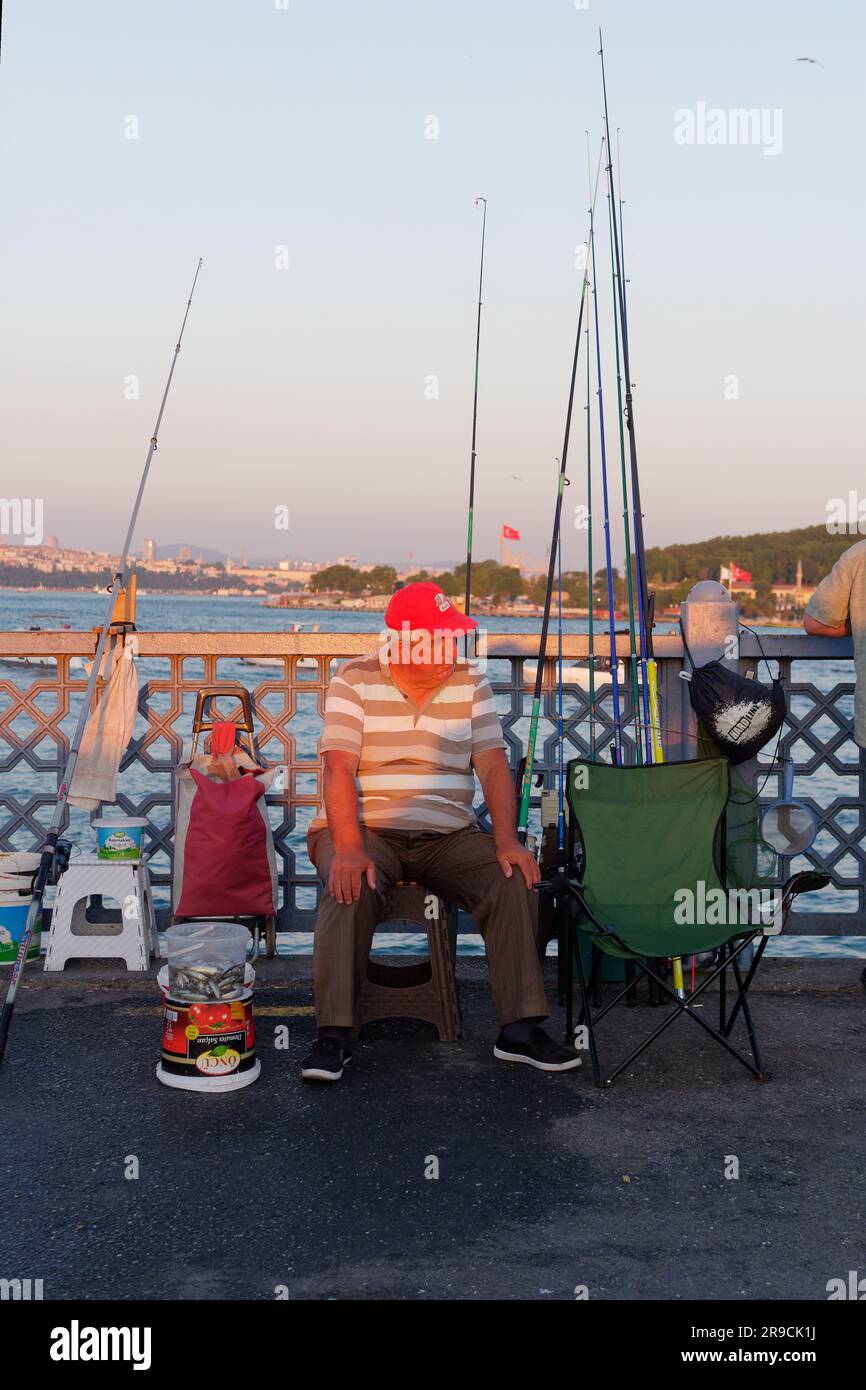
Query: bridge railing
(287,675)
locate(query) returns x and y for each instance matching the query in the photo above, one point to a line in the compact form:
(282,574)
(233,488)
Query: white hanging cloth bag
(109,728)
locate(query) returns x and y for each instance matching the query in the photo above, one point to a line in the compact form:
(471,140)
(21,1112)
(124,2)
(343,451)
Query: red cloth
(222,737)
(225,862)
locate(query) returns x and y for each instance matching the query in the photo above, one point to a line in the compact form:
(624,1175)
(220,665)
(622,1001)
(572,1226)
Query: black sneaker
(538,1051)
(325,1061)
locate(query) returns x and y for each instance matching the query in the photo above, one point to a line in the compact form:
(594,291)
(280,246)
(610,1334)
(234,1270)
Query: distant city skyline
(325,162)
(151,550)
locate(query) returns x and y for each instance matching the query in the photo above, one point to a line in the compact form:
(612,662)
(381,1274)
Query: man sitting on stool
(404,730)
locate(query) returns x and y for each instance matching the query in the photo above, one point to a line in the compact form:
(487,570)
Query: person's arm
(816,629)
(340,746)
(828,612)
(351,861)
(497,784)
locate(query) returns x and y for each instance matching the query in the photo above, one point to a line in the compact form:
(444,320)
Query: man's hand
(351,861)
(513,855)
(499,793)
(348,867)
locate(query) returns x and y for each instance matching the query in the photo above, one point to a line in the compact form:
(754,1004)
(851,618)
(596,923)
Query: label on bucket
(219,1059)
(211,1039)
(12,921)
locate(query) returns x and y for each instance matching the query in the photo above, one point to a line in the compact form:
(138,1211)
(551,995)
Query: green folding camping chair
(653,882)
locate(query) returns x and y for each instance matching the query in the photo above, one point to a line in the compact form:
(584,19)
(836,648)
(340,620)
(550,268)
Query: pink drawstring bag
(226,869)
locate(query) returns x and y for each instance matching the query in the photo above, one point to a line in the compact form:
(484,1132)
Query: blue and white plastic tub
(17,871)
(119,837)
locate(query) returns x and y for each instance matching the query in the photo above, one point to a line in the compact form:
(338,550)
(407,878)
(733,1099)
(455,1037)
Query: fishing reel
(62,854)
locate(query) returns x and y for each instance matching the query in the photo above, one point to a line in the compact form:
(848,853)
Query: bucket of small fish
(208,1032)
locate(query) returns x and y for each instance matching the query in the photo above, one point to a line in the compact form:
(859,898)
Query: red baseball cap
(426,608)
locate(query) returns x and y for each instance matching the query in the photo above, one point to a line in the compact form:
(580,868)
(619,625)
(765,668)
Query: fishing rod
(526,790)
(649,673)
(589,573)
(652,668)
(617,722)
(643,597)
(560,723)
(632,645)
(474,413)
(49,853)
(652,712)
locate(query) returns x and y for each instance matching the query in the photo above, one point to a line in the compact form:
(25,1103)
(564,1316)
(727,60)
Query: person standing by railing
(838,609)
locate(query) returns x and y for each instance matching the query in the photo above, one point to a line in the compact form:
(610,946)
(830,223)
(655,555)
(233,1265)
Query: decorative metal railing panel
(287,675)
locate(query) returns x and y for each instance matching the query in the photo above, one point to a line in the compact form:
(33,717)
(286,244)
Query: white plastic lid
(119,822)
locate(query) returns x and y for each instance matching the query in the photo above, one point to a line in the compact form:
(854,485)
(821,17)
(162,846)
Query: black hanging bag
(739,715)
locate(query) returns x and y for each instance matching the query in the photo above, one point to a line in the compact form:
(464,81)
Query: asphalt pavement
(432,1171)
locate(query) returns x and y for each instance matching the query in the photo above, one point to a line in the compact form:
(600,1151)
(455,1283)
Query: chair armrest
(772,916)
(809,881)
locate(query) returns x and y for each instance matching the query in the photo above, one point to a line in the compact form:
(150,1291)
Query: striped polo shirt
(414,768)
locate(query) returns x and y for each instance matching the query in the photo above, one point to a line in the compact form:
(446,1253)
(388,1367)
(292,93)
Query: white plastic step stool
(134,937)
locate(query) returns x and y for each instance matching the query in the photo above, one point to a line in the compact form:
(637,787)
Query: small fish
(231,982)
(206,981)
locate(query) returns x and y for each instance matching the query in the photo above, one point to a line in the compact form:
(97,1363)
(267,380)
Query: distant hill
(211,556)
(171,552)
(770,556)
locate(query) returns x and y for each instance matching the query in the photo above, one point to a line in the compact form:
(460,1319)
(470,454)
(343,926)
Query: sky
(340,385)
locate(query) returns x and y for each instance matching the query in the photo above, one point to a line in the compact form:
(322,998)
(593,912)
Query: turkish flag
(740,576)
(509,534)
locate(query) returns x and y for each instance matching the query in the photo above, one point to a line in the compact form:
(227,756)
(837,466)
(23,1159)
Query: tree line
(769,556)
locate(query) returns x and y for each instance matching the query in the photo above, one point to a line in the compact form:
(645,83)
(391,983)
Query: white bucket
(16,872)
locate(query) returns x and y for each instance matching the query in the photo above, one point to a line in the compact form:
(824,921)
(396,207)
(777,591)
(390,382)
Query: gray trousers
(460,866)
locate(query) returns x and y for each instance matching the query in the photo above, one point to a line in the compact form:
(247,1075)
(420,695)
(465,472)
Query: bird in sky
(809,60)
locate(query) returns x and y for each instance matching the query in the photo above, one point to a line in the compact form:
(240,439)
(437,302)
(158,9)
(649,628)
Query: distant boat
(574,673)
(44,662)
(274,663)
(282,601)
